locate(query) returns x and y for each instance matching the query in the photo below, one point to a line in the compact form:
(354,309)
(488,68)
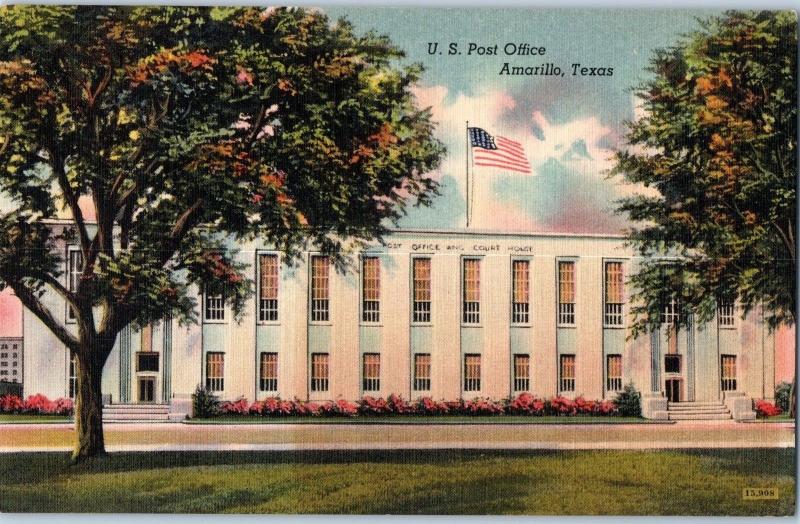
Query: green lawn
(708,482)
(32,419)
(424,420)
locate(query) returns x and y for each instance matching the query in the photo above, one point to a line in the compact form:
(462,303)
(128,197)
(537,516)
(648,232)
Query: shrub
(766,409)
(205,403)
(340,407)
(428,406)
(399,406)
(373,406)
(239,406)
(525,404)
(35,405)
(782,392)
(481,406)
(628,402)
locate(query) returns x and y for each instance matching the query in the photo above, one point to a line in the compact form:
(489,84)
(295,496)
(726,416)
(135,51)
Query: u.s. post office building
(441,313)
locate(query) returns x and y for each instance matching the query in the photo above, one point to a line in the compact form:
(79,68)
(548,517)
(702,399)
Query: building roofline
(447,231)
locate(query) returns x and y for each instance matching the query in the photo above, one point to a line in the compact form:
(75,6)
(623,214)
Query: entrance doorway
(673,389)
(147,390)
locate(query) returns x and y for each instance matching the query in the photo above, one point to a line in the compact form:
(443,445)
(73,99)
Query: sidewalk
(282,437)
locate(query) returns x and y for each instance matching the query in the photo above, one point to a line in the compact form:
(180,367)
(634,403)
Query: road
(265,437)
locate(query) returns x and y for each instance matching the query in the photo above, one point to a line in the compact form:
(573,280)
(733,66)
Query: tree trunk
(88,410)
(792,401)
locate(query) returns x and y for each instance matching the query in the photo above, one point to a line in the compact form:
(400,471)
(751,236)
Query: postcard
(353,260)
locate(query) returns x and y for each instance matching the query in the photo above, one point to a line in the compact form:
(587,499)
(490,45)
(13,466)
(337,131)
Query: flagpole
(466,182)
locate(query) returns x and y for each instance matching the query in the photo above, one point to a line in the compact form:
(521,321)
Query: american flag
(500,152)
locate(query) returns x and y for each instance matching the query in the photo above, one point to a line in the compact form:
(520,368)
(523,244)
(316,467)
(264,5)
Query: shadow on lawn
(21,468)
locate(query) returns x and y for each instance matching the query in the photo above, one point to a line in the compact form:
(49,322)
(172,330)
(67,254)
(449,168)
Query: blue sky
(569,125)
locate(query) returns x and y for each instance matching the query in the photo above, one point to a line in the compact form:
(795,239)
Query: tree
(182,129)
(718,145)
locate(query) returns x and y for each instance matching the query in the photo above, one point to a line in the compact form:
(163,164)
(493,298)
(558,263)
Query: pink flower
(243,76)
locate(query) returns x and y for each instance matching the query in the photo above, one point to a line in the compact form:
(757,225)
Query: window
(319,372)
(672,363)
(421,268)
(73,378)
(74,271)
(472,291)
(268,288)
(146,361)
(612,314)
(268,372)
(215,307)
(669,314)
(472,372)
(566,293)
(522,372)
(371,289)
(614,372)
(215,371)
(320,269)
(422,372)
(520,299)
(372,372)
(567,373)
(728,372)
(725,314)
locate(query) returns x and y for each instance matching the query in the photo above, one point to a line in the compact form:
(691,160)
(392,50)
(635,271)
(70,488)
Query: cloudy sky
(569,125)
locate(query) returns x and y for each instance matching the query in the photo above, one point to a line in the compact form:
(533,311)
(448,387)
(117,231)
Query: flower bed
(524,404)
(766,409)
(35,405)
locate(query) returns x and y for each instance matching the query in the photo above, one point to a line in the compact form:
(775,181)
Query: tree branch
(33,304)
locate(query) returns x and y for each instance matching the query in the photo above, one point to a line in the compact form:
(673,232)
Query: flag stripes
(499,152)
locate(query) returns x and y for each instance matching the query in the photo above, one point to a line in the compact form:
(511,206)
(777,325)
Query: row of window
(613,294)
(371,372)
(268,281)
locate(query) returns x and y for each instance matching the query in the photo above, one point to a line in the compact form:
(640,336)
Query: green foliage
(629,401)
(204,403)
(783,391)
(188,129)
(717,150)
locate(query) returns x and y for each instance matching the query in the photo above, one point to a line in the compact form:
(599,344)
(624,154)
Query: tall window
(566,293)
(73,378)
(472,291)
(215,371)
(371,289)
(725,314)
(614,372)
(372,372)
(567,373)
(319,372)
(421,268)
(268,288)
(614,294)
(728,373)
(472,372)
(215,307)
(520,298)
(75,262)
(669,314)
(422,372)
(268,372)
(522,372)
(320,282)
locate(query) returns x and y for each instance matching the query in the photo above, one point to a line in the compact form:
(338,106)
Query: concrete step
(700,408)
(128,409)
(136,406)
(696,404)
(698,416)
(135,417)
